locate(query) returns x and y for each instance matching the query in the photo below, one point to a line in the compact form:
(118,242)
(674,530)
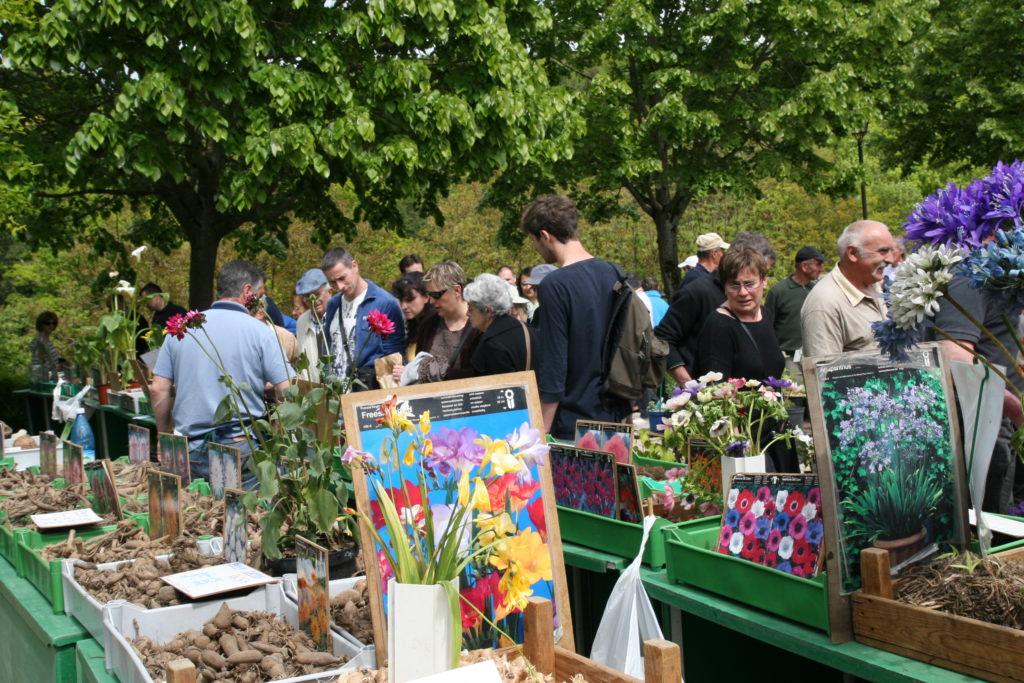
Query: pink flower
(194,319)
(253,303)
(668,499)
(380,323)
(354,456)
(677,473)
(176,326)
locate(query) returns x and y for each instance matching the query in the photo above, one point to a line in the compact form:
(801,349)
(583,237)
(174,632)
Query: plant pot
(654,420)
(902,549)
(341,563)
(731,465)
(420,622)
(102,391)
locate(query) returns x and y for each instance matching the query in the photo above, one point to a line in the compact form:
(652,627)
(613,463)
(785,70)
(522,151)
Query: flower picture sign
(471,451)
(889,459)
(584,480)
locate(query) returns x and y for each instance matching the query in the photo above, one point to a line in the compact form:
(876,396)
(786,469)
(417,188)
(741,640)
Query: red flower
(536,512)
(744,501)
(794,503)
(176,326)
(194,319)
(617,447)
(801,551)
(477,595)
(380,323)
(749,547)
(588,441)
(402,501)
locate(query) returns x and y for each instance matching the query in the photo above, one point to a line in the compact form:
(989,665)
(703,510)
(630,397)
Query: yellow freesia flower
(516,589)
(503,462)
(410,453)
(527,554)
(493,526)
(425,422)
(464,488)
(481,499)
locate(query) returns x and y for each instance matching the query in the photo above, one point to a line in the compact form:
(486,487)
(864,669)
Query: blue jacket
(659,307)
(375,299)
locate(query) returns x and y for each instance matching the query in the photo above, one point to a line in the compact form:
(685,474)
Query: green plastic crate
(9,540)
(45,575)
(693,559)
(91,663)
(612,536)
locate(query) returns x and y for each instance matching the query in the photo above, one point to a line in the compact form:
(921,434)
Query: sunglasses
(436,295)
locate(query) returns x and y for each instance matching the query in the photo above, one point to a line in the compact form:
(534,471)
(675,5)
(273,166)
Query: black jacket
(502,348)
(685,318)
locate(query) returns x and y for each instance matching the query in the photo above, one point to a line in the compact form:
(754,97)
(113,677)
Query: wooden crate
(662,661)
(970,646)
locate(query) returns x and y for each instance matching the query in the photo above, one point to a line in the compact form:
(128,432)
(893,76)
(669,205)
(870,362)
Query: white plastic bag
(628,619)
(65,408)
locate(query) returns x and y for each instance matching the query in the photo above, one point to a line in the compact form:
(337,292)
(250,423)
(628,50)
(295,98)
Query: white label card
(221,578)
(481,672)
(57,520)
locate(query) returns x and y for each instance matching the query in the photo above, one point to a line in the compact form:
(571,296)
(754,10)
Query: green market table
(38,406)
(725,640)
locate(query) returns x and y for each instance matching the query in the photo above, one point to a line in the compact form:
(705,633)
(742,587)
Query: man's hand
(162,403)
(680,375)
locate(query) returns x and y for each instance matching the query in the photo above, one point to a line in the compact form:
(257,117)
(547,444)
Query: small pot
(102,391)
(902,549)
(341,563)
(654,419)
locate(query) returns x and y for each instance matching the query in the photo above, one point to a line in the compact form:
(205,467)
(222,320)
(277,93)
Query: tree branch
(107,191)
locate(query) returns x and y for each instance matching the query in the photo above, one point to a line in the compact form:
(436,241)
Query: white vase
(419,630)
(731,465)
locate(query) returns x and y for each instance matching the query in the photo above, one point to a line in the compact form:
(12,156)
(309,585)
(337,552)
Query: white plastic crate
(124,622)
(28,457)
(289,582)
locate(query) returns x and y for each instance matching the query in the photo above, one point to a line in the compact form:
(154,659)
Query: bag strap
(526,335)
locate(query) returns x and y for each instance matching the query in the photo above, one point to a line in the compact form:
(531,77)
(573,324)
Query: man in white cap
(710,250)
(309,328)
(688,263)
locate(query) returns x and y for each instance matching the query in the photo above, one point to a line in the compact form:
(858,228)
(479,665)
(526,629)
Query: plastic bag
(65,408)
(628,619)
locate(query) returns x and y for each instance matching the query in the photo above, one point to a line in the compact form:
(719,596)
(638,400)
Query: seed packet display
(774,520)
(627,494)
(234,526)
(48,454)
(314,600)
(173,454)
(138,444)
(583,479)
(100,476)
(225,468)
(164,504)
(72,472)
(705,464)
(610,437)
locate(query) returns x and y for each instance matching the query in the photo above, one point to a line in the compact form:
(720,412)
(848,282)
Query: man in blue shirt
(575,311)
(354,345)
(247,351)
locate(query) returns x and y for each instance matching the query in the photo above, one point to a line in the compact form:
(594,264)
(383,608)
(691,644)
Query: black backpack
(633,359)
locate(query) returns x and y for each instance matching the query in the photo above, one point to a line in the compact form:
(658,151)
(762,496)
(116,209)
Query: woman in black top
(507,345)
(738,338)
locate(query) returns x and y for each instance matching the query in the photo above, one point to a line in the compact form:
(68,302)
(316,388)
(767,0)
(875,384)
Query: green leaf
(269,479)
(323,510)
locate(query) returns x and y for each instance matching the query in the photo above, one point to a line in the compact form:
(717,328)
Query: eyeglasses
(436,295)
(749,286)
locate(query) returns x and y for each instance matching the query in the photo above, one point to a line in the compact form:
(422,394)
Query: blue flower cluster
(998,267)
(894,340)
(967,217)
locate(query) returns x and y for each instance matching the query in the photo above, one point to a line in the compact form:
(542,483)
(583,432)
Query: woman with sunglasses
(446,335)
(45,360)
(738,339)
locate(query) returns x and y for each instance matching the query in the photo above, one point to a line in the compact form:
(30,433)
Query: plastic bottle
(81,434)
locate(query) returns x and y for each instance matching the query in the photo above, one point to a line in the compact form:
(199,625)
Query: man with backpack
(576,309)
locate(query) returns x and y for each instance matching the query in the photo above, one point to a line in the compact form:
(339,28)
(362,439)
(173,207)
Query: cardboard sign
(225,468)
(57,520)
(138,444)
(73,472)
(311,570)
(235,536)
(220,578)
(628,507)
(583,479)
(48,455)
(164,504)
(173,456)
(609,437)
(104,490)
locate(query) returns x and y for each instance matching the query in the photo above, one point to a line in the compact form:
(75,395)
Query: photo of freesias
(450,503)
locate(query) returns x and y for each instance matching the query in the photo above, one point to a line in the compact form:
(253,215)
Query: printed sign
(48,455)
(164,504)
(314,600)
(225,468)
(610,437)
(173,454)
(138,444)
(104,491)
(220,578)
(73,472)
(584,480)
(57,520)
(235,536)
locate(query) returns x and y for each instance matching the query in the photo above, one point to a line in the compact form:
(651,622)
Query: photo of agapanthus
(584,480)
(138,444)
(314,600)
(609,437)
(174,456)
(470,484)
(225,469)
(891,457)
(774,520)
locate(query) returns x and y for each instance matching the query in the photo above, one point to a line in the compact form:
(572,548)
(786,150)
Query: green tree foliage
(964,103)
(212,118)
(687,99)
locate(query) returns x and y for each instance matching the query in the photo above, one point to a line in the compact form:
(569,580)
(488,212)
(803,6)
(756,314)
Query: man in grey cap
(314,287)
(537,274)
(786,298)
(710,250)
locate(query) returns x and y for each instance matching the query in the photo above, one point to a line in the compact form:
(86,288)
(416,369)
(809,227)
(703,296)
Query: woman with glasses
(446,335)
(738,339)
(45,360)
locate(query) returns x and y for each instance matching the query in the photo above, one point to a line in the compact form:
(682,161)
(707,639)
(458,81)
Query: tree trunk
(201,267)
(668,251)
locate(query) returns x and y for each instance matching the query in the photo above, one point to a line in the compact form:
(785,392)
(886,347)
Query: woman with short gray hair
(506,344)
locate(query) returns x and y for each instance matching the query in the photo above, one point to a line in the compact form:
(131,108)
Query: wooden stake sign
(48,455)
(73,472)
(235,536)
(164,504)
(225,468)
(138,444)
(104,489)
(173,454)
(312,571)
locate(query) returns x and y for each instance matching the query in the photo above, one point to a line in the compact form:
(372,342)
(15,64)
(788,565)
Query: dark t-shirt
(685,318)
(724,347)
(575,307)
(160,318)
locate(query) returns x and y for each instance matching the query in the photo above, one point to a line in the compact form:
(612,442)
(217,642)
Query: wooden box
(976,648)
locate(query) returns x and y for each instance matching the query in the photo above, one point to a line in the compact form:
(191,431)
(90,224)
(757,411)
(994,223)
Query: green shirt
(784,302)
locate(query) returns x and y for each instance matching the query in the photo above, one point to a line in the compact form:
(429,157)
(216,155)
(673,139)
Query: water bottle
(81,434)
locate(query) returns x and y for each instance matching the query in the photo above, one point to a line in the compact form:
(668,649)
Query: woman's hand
(396,372)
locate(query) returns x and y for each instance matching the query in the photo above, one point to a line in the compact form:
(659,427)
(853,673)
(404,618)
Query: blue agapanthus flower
(894,341)
(998,268)
(1004,187)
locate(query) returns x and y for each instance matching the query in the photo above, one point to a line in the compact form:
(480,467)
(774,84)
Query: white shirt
(347,318)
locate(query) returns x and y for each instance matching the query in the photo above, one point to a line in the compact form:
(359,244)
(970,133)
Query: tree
(964,102)
(233,118)
(683,99)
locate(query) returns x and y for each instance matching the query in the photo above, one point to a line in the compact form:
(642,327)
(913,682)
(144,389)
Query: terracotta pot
(102,391)
(902,549)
